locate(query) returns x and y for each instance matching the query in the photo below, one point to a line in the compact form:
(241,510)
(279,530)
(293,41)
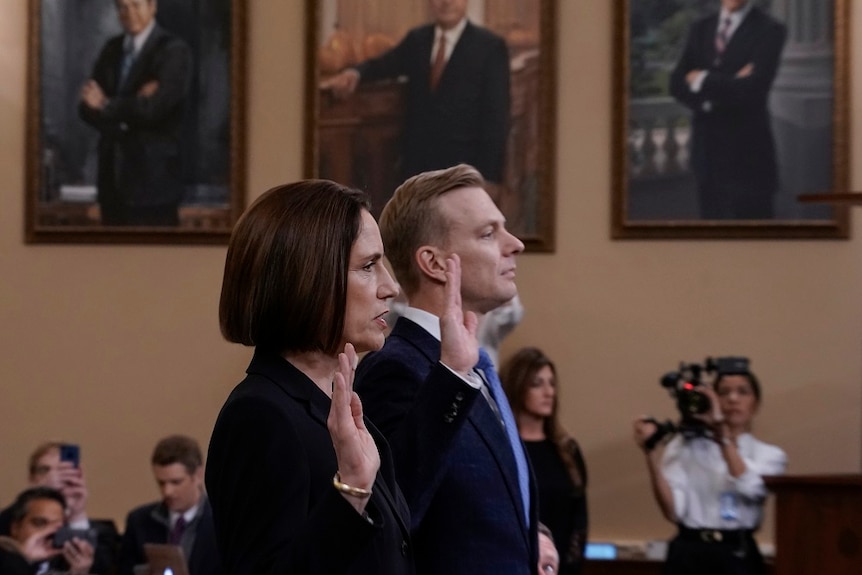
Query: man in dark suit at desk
(183,517)
(459,460)
(457,107)
(136,99)
(724,76)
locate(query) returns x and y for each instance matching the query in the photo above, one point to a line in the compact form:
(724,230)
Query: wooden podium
(818,524)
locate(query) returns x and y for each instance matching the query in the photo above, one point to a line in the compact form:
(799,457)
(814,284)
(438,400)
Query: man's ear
(15,530)
(432,263)
(198,476)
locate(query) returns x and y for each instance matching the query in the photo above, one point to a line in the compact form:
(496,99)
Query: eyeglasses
(548,569)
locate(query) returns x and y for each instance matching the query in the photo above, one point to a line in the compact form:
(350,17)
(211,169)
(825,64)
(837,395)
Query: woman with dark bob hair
(299,482)
(530,380)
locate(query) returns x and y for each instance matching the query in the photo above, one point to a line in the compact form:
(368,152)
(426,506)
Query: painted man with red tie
(724,76)
(457,92)
(183,517)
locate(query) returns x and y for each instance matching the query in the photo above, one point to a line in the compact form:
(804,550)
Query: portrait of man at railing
(731,111)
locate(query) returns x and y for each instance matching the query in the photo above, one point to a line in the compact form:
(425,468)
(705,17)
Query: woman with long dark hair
(530,380)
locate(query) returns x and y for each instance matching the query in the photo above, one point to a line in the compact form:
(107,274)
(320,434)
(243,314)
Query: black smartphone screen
(66,533)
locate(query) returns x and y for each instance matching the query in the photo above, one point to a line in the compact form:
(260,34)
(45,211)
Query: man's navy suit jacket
(452,458)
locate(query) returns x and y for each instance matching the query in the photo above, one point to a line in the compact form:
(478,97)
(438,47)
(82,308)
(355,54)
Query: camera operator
(710,484)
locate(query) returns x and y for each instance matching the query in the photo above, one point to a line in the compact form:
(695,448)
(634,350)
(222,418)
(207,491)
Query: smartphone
(70,452)
(66,533)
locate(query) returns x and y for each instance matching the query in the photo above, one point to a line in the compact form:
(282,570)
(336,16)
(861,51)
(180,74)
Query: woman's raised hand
(355,451)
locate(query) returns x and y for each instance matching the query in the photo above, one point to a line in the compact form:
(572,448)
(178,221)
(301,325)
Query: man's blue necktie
(487,366)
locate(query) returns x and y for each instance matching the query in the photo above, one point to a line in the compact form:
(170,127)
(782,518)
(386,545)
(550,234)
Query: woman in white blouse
(711,486)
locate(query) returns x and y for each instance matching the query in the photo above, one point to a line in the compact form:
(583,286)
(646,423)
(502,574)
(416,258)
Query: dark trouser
(713,552)
(735,200)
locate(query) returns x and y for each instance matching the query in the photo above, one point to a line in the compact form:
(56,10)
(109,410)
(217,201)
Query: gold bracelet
(349,489)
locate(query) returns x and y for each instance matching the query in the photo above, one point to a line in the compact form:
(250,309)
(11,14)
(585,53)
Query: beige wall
(119,345)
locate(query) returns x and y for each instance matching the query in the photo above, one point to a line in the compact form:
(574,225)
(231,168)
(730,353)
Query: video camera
(682,385)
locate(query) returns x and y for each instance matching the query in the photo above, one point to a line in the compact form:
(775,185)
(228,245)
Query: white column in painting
(801,104)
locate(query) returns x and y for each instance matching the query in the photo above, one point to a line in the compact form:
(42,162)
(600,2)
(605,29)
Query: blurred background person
(710,484)
(17,558)
(41,510)
(45,468)
(182,517)
(497,324)
(549,557)
(530,380)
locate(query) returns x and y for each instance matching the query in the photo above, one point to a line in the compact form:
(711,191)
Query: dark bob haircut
(285,275)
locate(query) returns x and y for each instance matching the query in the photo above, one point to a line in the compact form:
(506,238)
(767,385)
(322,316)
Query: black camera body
(682,386)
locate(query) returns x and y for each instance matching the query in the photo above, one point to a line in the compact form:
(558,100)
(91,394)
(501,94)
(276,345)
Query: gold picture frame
(357,141)
(67,40)
(661,178)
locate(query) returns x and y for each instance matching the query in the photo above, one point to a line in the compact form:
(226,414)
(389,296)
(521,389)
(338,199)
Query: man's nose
(515,245)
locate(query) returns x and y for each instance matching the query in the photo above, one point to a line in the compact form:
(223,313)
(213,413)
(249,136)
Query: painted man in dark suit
(136,99)
(724,76)
(465,477)
(183,517)
(459,113)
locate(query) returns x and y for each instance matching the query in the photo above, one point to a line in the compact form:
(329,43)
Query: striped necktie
(439,63)
(723,35)
(128,59)
(175,536)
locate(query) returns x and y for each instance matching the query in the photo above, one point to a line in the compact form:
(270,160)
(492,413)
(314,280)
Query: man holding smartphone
(56,465)
(47,469)
(41,511)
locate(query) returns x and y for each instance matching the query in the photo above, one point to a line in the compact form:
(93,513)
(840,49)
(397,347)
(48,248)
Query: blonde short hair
(411,218)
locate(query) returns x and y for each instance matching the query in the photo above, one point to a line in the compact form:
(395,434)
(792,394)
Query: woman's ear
(432,263)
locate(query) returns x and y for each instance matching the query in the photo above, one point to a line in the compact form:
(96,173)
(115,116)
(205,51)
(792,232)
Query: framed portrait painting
(135,130)
(400,87)
(725,113)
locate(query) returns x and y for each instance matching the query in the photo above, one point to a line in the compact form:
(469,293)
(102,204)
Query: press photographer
(708,479)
